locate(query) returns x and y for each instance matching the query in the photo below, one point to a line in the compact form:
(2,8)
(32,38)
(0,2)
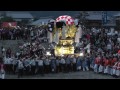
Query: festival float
(65,33)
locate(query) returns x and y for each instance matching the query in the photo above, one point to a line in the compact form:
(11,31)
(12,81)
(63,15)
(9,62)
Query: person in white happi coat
(20,68)
(6,63)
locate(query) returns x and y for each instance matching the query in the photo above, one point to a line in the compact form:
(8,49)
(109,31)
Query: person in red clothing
(113,61)
(97,63)
(115,68)
(88,36)
(106,66)
(119,53)
(109,67)
(118,69)
(101,65)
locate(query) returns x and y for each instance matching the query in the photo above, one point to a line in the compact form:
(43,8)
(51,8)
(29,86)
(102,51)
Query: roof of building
(96,17)
(38,22)
(117,15)
(17,15)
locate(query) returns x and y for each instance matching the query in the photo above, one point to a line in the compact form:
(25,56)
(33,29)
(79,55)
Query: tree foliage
(82,17)
(7,19)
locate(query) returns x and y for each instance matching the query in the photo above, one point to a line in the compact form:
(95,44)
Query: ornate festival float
(64,31)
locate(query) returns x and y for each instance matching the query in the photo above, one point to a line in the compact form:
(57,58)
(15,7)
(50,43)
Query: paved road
(71,75)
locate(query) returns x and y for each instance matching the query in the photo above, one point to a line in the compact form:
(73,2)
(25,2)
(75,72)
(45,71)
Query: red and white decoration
(67,19)
(9,24)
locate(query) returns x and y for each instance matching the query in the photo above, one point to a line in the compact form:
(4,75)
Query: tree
(23,22)
(6,19)
(35,19)
(82,17)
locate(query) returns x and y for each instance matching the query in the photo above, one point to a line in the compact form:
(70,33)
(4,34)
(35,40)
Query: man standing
(20,68)
(57,65)
(67,64)
(2,69)
(74,64)
(113,61)
(118,69)
(63,64)
(79,63)
(53,65)
(33,67)
(96,66)
(106,66)
(41,67)
(101,67)
(47,65)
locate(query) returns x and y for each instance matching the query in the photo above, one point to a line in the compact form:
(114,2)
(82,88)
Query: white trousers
(83,69)
(101,68)
(91,66)
(109,70)
(79,68)
(2,76)
(95,68)
(113,71)
(106,70)
(117,72)
(87,68)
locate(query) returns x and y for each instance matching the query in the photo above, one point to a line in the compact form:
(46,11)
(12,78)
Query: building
(19,16)
(95,20)
(117,20)
(42,20)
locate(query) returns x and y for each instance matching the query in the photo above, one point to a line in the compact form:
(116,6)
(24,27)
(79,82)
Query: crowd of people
(21,32)
(105,47)
(100,48)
